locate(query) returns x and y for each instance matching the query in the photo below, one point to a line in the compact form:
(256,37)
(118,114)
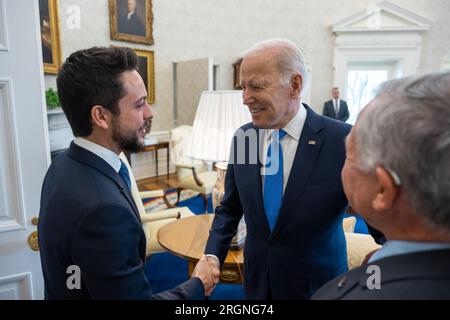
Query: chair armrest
(194,172)
(156,193)
(160,216)
(151,194)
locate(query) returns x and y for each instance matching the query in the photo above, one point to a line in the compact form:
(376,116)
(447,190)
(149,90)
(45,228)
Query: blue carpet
(165,270)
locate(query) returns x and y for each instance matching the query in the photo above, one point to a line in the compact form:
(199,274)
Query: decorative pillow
(358,247)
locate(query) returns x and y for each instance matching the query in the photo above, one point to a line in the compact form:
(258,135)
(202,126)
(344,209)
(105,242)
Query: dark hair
(91,77)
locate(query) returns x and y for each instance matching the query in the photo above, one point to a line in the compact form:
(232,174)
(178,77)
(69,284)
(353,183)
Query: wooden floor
(156,183)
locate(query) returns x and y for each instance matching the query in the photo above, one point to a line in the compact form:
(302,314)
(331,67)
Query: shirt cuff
(215,257)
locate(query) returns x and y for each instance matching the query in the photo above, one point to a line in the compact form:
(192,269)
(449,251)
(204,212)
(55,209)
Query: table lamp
(219,115)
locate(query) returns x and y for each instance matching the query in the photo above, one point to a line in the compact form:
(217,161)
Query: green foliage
(51,97)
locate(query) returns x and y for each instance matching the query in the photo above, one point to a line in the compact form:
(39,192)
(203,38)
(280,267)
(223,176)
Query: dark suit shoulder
(419,275)
(337,126)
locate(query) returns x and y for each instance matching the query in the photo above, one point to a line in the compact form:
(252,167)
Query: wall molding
(19,285)
(4,46)
(12,211)
(383,32)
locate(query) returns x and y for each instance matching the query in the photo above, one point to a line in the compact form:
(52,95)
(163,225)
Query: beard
(130,142)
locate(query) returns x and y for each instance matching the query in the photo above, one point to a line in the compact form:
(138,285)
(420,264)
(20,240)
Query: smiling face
(270,102)
(130,127)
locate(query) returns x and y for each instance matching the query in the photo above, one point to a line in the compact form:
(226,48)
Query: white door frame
(24,147)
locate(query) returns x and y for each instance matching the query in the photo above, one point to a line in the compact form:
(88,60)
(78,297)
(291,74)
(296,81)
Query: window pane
(360,87)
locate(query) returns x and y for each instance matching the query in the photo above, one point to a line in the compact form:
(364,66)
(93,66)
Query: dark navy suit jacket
(88,219)
(328,110)
(307,246)
(413,276)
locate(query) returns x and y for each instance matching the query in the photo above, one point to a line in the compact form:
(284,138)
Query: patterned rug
(156,204)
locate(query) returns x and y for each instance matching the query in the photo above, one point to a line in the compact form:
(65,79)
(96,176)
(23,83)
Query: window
(362,79)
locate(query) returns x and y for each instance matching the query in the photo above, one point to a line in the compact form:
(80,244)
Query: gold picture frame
(146,68)
(236,78)
(131,24)
(51,48)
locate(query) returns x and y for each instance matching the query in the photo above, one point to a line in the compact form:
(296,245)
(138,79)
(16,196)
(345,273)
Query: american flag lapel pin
(312,142)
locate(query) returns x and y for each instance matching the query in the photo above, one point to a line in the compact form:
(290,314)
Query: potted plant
(51,98)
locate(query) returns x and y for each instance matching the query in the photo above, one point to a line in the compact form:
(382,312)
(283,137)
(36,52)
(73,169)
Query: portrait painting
(49,21)
(146,68)
(131,20)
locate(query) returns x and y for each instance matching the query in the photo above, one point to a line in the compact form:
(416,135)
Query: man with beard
(92,244)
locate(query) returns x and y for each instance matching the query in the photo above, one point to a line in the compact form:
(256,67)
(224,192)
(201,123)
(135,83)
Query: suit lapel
(88,158)
(333,111)
(262,219)
(254,172)
(308,150)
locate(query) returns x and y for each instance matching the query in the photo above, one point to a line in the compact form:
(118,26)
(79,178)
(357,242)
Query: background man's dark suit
(88,218)
(419,275)
(328,110)
(307,246)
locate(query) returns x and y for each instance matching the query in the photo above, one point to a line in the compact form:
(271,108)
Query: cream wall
(185,30)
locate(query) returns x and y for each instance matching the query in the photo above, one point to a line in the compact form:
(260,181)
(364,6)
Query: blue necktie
(123,172)
(273,181)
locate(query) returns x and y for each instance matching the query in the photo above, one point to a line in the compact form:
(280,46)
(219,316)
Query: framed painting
(236,78)
(131,20)
(51,49)
(146,68)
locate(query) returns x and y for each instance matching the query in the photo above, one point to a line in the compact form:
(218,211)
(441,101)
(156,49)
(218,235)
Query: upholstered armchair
(153,221)
(192,174)
(358,245)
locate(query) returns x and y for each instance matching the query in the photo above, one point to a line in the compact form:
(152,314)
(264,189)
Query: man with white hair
(397,176)
(283,175)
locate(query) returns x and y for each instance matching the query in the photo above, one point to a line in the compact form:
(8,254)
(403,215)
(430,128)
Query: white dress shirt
(336,105)
(129,15)
(110,157)
(289,143)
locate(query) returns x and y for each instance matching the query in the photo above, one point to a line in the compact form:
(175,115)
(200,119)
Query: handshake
(208,271)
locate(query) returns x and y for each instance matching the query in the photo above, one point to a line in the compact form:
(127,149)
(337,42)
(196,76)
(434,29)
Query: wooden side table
(155,147)
(187,238)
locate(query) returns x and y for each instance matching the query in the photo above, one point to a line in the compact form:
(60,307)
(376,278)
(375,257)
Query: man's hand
(203,271)
(215,269)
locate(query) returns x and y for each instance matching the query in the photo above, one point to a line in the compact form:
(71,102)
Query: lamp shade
(219,115)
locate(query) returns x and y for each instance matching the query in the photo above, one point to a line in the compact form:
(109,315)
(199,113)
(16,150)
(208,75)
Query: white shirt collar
(397,247)
(110,157)
(294,127)
(130,14)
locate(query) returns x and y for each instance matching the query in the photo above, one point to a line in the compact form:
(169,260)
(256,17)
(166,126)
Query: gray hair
(406,129)
(290,58)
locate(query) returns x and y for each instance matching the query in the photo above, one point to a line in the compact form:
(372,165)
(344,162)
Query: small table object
(155,147)
(187,237)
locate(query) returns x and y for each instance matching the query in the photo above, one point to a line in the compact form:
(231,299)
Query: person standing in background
(336,108)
